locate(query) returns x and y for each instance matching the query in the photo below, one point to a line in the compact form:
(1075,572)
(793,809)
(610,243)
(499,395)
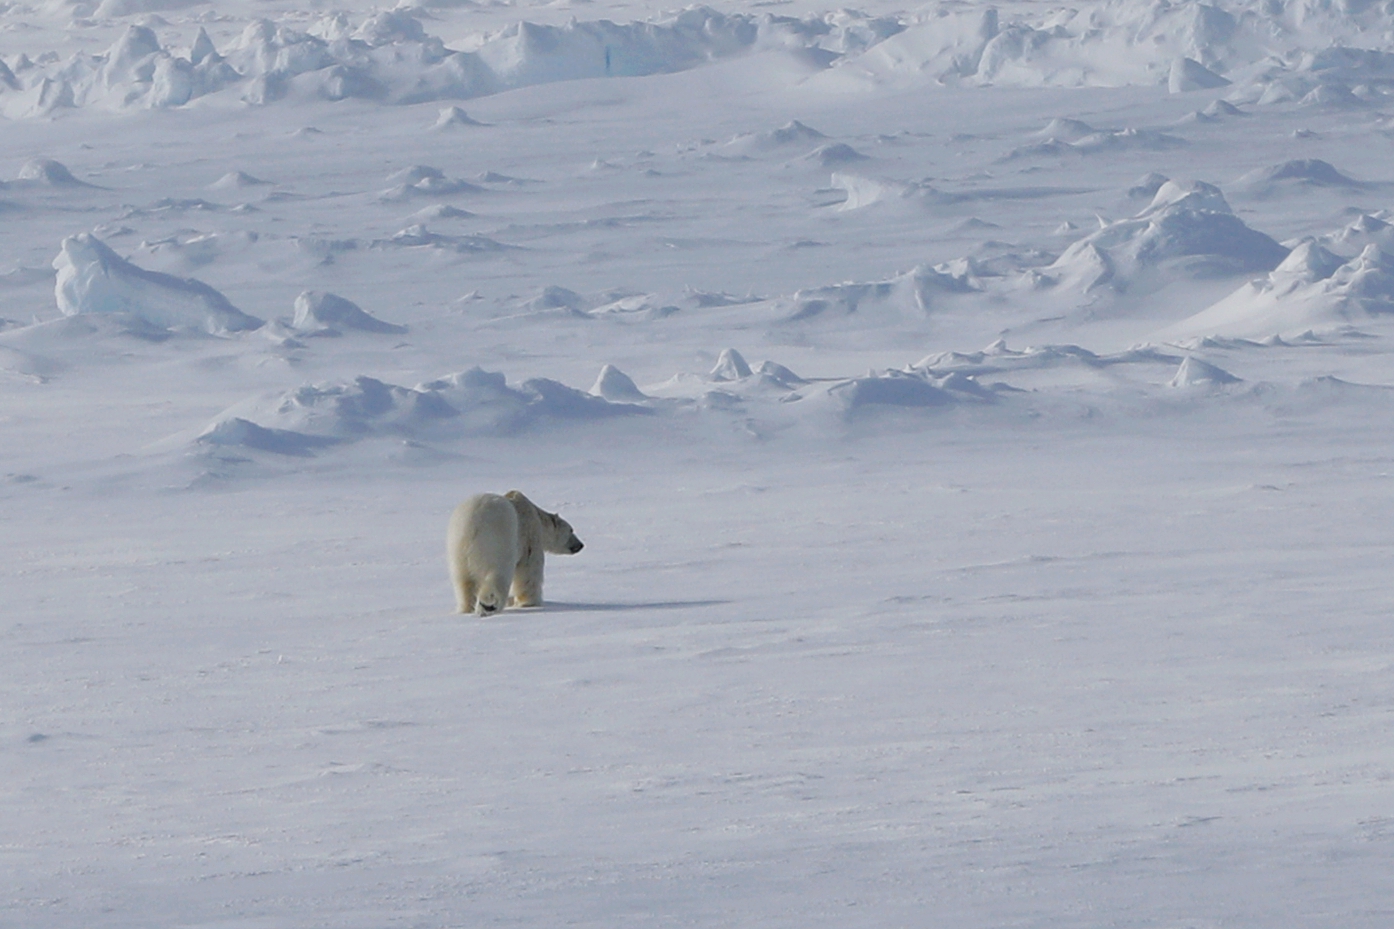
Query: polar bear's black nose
(575,545)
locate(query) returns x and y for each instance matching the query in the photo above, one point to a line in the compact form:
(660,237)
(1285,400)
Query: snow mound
(474,402)
(614,385)
(424,180)
(94,279)
(730,366)
(453,116)
(1302,172)
(615,305)
(1216,111)
(321,313)
(789,134)
(890,389)
(1188,74)
(836,153)
(861,192)
(238,432)
(1147,186)
(629,307)
(777,375)
(906,296)
(1067,130)
(45,172)
(997,358)
(1196,373)
(1101,142)
(1312,290)
(1366,229)
(418,236)
(237,180)
(441,211)
(1187,226)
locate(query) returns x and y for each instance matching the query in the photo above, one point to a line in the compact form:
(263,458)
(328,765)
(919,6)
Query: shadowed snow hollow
(94,279)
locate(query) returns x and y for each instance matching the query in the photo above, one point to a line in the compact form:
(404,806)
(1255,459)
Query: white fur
(482,549)
(495,548)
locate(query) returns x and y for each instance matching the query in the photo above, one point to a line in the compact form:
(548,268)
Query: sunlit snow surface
(978,420)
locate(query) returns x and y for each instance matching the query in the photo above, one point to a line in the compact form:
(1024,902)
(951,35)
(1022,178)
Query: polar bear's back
(483,536)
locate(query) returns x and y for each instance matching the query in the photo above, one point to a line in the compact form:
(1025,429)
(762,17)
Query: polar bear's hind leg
(464,594)
(493,594)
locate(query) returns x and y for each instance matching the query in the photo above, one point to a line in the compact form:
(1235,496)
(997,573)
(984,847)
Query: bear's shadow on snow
(561,606)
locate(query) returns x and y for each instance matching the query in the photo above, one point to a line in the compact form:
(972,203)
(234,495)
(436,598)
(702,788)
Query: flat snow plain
(978,420)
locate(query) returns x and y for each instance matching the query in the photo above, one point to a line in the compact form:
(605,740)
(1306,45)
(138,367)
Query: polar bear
(495,545)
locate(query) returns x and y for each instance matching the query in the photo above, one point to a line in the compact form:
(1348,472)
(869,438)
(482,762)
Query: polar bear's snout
(574,545)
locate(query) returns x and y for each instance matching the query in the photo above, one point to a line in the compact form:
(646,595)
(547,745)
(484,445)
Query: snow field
(977,423)
(1077,693)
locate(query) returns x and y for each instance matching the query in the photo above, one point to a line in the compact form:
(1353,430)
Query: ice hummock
(94,279)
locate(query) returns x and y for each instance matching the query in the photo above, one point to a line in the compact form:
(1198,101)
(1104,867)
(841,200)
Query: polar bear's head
(557,535)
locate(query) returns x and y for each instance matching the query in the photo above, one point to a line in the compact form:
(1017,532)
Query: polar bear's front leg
(527,580)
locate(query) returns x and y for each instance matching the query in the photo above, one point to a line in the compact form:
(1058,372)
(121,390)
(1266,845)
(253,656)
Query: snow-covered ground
(979,421)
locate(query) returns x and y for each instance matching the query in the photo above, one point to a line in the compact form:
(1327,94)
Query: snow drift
(1312,290)
(321,313)
(474,402)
